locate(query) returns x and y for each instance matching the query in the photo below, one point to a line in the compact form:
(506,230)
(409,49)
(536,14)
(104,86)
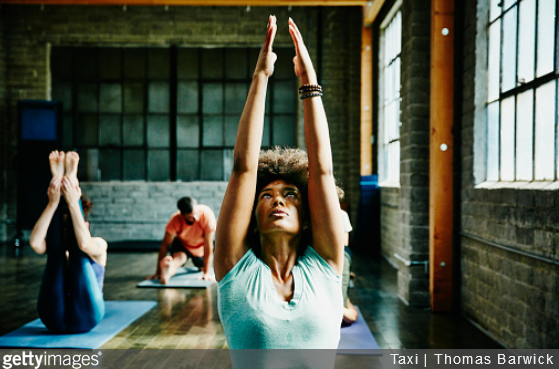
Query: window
(521,109)
(389,92)
(160,114)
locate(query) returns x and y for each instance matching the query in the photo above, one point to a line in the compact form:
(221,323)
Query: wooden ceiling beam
(193,2)
(371,10)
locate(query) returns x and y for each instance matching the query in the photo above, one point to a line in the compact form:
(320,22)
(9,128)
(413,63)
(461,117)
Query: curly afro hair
(291,166)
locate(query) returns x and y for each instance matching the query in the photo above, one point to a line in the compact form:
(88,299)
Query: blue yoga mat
(357,339)
(118,315)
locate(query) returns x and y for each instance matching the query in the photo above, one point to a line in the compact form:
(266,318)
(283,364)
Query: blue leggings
(70,299)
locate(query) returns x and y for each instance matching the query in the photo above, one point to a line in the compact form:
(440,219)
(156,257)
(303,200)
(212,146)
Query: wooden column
(366,101)
(441,154)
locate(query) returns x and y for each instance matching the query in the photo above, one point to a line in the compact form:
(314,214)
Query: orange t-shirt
(192,236)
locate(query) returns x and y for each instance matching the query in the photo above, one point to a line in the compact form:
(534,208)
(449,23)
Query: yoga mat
(357,339)
(118,315)
(185,278)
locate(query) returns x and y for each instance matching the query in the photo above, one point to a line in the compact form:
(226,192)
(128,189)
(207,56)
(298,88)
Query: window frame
(488,168)
(173,114)
(388,177)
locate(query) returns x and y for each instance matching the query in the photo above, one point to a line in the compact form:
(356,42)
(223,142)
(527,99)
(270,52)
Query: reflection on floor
(187,318)
(398,326)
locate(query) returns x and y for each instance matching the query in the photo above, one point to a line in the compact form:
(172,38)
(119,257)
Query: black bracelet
(312,94)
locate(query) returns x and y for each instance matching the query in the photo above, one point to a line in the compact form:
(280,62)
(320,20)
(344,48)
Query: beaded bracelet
(311,94)
(309,88)
(306,91)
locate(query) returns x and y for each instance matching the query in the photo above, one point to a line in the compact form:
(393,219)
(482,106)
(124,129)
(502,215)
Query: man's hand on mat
(207,277)
(54,190)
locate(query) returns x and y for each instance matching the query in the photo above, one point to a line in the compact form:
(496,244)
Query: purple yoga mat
(357,339)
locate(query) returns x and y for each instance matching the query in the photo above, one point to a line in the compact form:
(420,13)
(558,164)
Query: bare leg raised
(71,164)
(56,161)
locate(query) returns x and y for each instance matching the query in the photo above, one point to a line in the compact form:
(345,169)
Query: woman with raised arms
(279,240)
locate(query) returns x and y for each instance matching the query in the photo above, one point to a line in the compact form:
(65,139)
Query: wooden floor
(187,318)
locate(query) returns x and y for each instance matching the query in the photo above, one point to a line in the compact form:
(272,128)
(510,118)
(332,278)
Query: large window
(162,114)
(389,92)
(522,91)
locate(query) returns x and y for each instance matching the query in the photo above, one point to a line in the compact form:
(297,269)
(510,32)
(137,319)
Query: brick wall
(32,28)
(342,85)
(391,223)
(414,150)
(510,237)
(353,168)
(140,210)
(3,133)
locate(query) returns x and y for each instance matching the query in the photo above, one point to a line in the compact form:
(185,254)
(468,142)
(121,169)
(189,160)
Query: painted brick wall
(414,154)
(140,210)
(30,29)
(512,296)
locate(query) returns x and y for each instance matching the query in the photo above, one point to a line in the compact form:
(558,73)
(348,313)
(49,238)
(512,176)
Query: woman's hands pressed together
(267,58)
(304,69)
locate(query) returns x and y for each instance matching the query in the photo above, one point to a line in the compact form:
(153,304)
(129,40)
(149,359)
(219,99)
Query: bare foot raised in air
(166,264)
(71,165)
(56,160)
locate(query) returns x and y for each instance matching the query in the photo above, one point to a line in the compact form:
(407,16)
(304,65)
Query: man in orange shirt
(189,233)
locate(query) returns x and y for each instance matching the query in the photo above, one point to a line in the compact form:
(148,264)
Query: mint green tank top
(255,317)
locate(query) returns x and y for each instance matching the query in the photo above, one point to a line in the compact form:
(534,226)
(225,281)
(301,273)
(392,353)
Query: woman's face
(279,208)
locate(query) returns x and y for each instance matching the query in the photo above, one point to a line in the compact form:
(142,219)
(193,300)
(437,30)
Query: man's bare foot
(71,164)
(165,265)
(56,161)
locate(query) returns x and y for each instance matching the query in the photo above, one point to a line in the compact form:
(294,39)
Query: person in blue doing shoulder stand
(70,298)
(279,241)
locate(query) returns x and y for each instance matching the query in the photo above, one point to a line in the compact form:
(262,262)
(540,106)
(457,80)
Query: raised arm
(39,233)
(326,225)
(235,214)
(95,247)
